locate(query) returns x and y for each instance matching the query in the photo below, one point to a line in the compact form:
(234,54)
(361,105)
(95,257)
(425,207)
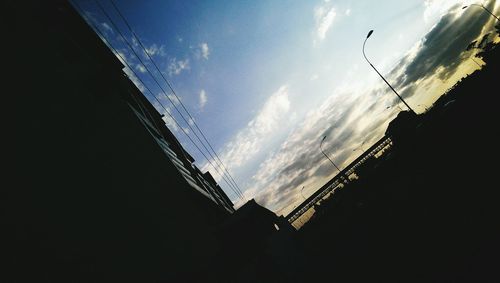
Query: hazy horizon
(265,81)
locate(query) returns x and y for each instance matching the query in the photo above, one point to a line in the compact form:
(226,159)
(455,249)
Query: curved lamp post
(425,107)
(482,6)
(343,177)
(396,106)
(360,148)
(479,65)
(397,94)
(325,153)
(301,192)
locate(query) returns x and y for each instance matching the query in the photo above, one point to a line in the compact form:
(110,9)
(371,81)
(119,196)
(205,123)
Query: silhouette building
(103,191)
(152,121)
(402,127)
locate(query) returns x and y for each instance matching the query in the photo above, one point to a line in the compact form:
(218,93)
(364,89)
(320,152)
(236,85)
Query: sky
(266,80)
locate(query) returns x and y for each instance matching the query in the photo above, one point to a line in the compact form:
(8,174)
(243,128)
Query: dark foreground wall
(94,197)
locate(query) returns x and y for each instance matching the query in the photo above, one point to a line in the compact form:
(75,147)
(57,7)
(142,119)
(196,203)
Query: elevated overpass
(337,180)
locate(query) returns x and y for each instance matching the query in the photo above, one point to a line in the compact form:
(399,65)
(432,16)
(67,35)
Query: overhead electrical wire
(175,94)
(149,90)
(227,181)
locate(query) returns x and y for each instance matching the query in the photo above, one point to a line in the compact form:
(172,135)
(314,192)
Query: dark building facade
(153,122)
(258,246)
(103,191)
(402,127)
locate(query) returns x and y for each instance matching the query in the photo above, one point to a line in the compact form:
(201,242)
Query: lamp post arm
(397,94)
(491,13)
(486,9)
(364,43)
(327,156)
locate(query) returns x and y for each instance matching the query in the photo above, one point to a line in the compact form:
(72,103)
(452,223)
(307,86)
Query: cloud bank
(352,116)
(203,98)
(324,15)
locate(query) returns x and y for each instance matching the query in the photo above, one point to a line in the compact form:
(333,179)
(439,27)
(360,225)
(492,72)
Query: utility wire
(152,94)
(156,98)
(151,74)
(164,92)
(175,94)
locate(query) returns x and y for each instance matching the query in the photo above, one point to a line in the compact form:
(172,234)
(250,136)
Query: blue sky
(266,80)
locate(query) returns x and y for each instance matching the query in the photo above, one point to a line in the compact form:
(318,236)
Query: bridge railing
(336,180)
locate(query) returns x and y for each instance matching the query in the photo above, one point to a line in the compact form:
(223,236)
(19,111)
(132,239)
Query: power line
(175,94)
(216,158)
(164,92)
(142,82)
(156,98)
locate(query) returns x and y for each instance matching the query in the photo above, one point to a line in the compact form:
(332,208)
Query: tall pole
(425,107)
(301,192)
(482,6)
(342,176)
(397,94)
(325,153)
(479,65)
(360,148)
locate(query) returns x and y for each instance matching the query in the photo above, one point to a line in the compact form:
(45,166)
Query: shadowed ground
(430,211)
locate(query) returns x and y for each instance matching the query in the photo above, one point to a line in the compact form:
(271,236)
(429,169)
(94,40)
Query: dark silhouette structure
(104,191)
(382,77)
(264,240)
(402,127)
(335,182)
(426,209)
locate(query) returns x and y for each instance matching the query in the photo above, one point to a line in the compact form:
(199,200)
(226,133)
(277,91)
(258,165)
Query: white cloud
(177,66)
(124,59)
(134,79)
(436,8)
(205,51)
(135,43)
(107,27)
(249,141)
(156,50)
(352,116)
(174,99)
(203,98)
(345,118)
(324,16)
(347,12)
(169,121)
(140,68)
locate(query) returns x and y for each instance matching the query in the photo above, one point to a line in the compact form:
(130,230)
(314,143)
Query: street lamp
(301,192)
(360,148)
(424,106)
(471,57)
(482,6)
(397,94)
(479,65)
(329,157)
(396,106)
